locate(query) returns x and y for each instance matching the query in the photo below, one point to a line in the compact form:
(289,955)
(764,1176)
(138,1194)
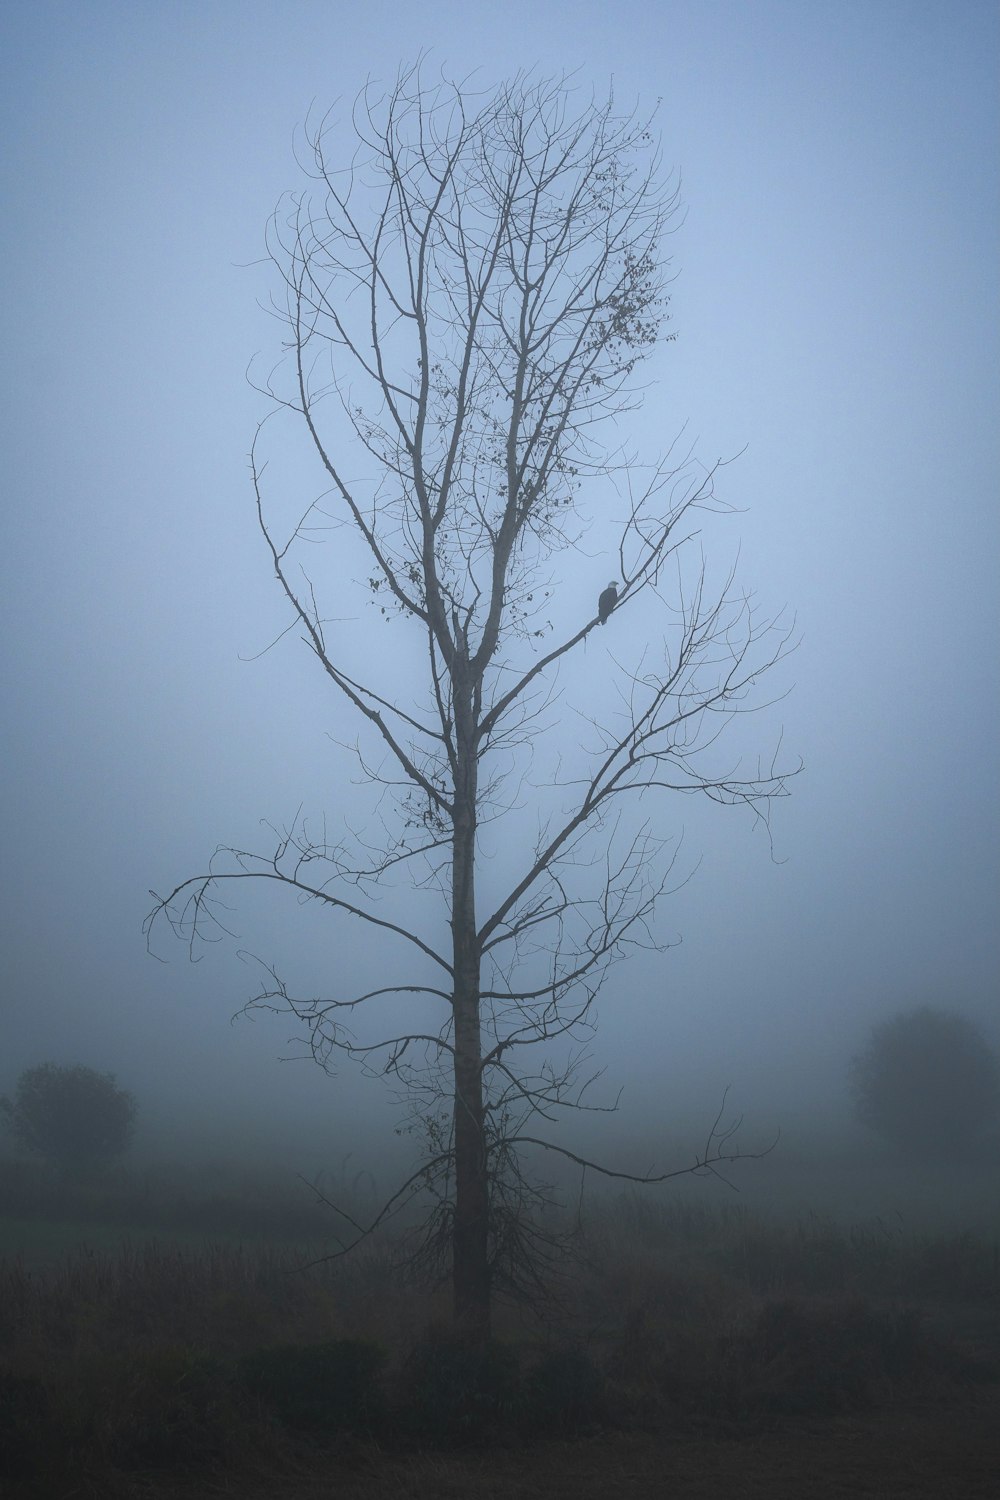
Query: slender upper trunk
(470,1264)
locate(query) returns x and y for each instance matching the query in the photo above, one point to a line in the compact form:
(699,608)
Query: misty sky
(836,311)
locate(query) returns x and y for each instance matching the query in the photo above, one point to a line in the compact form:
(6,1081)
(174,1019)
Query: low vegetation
(157,1369)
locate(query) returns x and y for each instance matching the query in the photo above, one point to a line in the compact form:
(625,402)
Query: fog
(836,310)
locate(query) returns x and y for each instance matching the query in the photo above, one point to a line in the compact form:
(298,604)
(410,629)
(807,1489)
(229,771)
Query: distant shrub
(330,1387)
(563,1393)
(928,1081)
(453,1392)
(807,1358)
(78,1120)
(24,1416)
(180,1410)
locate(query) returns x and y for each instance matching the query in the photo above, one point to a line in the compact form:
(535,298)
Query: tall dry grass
(151,1359)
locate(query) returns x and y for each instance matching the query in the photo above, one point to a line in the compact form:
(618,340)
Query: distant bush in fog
(928,1081)
(78,1120)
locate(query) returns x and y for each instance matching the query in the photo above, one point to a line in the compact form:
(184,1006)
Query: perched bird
(607,601)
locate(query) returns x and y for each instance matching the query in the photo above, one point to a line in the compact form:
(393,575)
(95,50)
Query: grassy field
(160,1341)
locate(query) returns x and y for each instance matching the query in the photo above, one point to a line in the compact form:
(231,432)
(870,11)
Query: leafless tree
(466,304)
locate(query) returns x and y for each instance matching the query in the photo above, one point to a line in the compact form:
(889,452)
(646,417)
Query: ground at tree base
(936,1452)
(953,1456)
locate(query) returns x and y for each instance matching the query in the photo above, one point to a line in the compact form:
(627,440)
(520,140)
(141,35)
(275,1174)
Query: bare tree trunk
(470,1261)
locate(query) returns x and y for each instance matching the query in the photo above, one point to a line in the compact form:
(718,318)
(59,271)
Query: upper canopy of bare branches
(473,293)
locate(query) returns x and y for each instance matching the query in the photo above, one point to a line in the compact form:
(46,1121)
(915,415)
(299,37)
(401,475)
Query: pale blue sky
(836,306)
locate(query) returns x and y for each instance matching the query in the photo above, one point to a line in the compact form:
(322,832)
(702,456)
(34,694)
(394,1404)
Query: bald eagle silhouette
(607,601)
